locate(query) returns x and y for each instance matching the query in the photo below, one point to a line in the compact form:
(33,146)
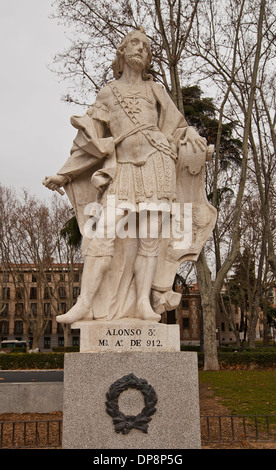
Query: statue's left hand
(195,139)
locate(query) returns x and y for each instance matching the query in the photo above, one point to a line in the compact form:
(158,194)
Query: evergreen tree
(201,112)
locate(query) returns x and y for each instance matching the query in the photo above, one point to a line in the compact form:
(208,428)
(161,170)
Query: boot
(144,270)
(94,270)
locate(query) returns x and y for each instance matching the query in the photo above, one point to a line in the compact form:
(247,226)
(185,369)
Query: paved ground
(15,376)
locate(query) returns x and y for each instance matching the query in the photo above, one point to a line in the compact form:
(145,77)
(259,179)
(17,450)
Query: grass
(244,392)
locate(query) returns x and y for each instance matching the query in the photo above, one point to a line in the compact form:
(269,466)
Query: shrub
(25,361)
(243,360)
(248,359)
(67,349)
(187,347)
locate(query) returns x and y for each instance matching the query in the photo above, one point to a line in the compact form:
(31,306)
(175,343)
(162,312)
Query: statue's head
(122,56)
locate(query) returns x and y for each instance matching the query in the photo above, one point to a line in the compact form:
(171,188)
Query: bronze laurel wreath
(124,423)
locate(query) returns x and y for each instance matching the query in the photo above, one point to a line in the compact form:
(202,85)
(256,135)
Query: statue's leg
(145,266)
(94,270)
(98,254)
(144,270)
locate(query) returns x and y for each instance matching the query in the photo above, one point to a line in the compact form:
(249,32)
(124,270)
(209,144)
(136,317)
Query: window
(34,309)
(48,277)
(19,293)
(6,292)
(185,323)
(19,309)
(34,277)
(271,295)
(48,329)
(47,309)
(61,341)
(18,327)
(76,292)
(62,277)
(222,326)
(185,304)
(4,327)
(33,293)
(76,277)
(62,292)
(48,292)
(62,308)
(76,341)
(4,310)
(6,277)
(47,342)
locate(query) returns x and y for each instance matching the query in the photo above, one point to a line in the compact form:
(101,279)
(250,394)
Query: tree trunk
(237,336)
(253,319)
(228,317)
(176,91)
(210,340)
(66,331)
(265,325)
(208,303)
(26,334)
(35,341)
(245,329)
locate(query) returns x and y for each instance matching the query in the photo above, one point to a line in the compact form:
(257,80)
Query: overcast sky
(35,130)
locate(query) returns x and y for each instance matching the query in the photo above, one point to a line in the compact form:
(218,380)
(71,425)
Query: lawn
(244,392)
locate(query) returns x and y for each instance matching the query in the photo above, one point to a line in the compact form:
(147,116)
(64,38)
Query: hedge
(31,361)
(244,360)
(248,359)
(66,349)
(228,349)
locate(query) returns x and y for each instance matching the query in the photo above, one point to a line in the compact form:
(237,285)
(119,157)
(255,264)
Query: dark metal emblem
(124,423)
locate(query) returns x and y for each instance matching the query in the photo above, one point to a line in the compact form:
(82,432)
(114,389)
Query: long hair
(118,63)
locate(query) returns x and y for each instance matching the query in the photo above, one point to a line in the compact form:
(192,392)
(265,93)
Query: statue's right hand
(54,182)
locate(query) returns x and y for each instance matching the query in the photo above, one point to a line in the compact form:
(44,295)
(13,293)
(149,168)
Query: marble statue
(134,164)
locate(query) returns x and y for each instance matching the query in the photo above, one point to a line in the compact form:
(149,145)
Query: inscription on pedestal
(127,335)
(131,337)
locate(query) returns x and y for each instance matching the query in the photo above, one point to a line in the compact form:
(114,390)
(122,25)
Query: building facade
(189,317)
(31,298)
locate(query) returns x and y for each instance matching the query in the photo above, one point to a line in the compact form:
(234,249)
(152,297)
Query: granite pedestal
(153,396)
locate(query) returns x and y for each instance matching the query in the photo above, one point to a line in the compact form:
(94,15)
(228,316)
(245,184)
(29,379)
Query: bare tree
(221,44)
(96,28)
(229,45)
(35,255)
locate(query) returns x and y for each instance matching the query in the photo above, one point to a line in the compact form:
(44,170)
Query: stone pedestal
(131,400)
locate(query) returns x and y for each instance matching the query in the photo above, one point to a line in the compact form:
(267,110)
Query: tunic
(127,143)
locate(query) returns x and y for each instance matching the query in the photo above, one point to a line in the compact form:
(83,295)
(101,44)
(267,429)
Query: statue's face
(136,51)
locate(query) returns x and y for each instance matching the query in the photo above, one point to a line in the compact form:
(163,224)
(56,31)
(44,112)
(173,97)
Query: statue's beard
(135,62)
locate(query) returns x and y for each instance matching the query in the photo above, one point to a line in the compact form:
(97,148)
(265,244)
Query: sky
(35,130)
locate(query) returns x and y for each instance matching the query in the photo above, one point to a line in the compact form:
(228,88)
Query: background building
(30,299)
